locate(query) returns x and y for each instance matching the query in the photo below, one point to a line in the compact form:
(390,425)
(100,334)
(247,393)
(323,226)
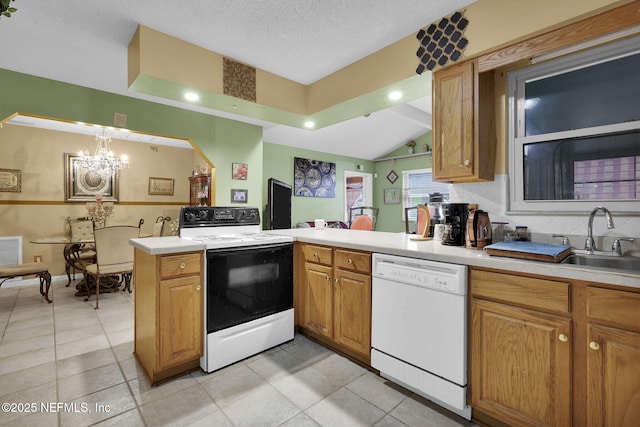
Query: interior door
(358,191)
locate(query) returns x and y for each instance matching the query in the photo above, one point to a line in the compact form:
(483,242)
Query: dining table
(71,254)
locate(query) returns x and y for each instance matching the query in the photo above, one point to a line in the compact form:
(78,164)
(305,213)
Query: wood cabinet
(520,357)
(613,357)
(464,137)
(200,190)
(333,297)
(552,352)
(168,313)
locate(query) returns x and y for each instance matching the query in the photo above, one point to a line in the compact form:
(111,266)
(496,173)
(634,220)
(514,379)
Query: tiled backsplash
(492,197)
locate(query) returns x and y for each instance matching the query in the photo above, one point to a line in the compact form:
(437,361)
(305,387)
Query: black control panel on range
(217,216)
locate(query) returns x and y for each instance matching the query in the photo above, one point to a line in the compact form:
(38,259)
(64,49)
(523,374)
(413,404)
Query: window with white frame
(417,184)
(574,131)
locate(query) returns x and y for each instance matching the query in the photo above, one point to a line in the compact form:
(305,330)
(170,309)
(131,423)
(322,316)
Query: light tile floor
(67,364)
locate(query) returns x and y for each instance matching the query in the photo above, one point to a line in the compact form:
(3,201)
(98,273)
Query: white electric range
(248,280)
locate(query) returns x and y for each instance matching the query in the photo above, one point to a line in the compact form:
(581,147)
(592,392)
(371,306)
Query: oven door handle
(242,249)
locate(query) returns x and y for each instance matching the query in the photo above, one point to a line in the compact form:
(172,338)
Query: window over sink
(574,131)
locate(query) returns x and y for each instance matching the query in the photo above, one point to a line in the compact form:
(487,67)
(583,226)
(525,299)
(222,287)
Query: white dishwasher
(419,328)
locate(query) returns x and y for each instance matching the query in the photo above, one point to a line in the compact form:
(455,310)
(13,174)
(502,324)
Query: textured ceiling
(85,43)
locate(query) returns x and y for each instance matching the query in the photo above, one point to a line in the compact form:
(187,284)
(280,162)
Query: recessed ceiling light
(309,124)
(191,96)
(395,95)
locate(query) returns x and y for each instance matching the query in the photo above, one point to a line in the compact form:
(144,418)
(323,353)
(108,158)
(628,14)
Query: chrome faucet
(590,244)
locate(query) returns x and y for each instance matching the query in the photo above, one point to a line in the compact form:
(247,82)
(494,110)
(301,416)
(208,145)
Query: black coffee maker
(455,223)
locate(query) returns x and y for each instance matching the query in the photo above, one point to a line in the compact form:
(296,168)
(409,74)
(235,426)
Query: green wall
(391,217)
(278,164)
(221,140)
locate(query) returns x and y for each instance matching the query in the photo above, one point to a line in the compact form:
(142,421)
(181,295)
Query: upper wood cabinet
(464,141)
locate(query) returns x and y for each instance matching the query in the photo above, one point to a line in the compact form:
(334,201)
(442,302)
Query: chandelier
(103,161)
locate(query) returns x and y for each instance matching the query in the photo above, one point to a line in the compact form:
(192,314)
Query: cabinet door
(352,311)
(613,377)
(180,324)
(318,310)
(520,362)
(453,122)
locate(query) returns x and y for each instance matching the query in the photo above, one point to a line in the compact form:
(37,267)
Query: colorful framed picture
(391,196)
(239,171)
(11,180)
(160,186)
(82,184)
(392,177)
(239,196)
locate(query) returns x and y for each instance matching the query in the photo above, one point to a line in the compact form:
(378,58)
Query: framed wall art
(160,186)
(314,178)
(11,180)
(82,184)
(392,177)
(239,171)
(239,196)
(391,196)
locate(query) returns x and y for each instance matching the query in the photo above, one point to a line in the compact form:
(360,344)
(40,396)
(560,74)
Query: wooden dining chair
(368,222)
(78,255)
(114,259)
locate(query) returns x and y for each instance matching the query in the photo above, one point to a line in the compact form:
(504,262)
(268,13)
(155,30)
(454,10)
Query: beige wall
(40,211)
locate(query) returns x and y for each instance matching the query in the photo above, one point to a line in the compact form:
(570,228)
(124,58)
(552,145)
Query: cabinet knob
(563,338)
(467,162)
(182,265)
(594,345)
(198,288)
(336,280)
(349,261)
(327,277)
(315,255)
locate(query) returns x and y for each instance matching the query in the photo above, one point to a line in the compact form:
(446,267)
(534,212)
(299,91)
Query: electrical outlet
(37,258)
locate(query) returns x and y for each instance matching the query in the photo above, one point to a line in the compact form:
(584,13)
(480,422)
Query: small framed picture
(391,196)
(239,196)
(11,180)
(160,186)
(239,171)
(392,177)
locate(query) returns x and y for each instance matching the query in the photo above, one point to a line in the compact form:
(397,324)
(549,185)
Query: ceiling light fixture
(309,124)
(395,95)
(103,161)
(191,96)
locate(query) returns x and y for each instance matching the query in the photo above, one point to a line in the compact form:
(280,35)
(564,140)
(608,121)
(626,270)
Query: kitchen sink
(619,263)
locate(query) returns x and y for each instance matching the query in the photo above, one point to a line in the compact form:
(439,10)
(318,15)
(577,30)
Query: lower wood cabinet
(333,297)
(613,357)
(551,352)
(168,309)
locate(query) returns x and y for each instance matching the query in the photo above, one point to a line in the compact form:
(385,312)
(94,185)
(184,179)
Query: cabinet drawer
(317,254)
(178,265)
(617,307)
(354,261)
(541,294)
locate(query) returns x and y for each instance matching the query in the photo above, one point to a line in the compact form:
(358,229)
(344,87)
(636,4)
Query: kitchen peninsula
(560,326)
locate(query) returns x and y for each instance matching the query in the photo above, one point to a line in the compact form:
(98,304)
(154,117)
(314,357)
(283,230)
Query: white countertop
(401,244)
(165,245)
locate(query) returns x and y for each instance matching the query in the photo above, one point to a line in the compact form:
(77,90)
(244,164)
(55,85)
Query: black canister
(455,216)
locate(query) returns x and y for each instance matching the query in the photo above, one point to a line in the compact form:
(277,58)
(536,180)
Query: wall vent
(10,250)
